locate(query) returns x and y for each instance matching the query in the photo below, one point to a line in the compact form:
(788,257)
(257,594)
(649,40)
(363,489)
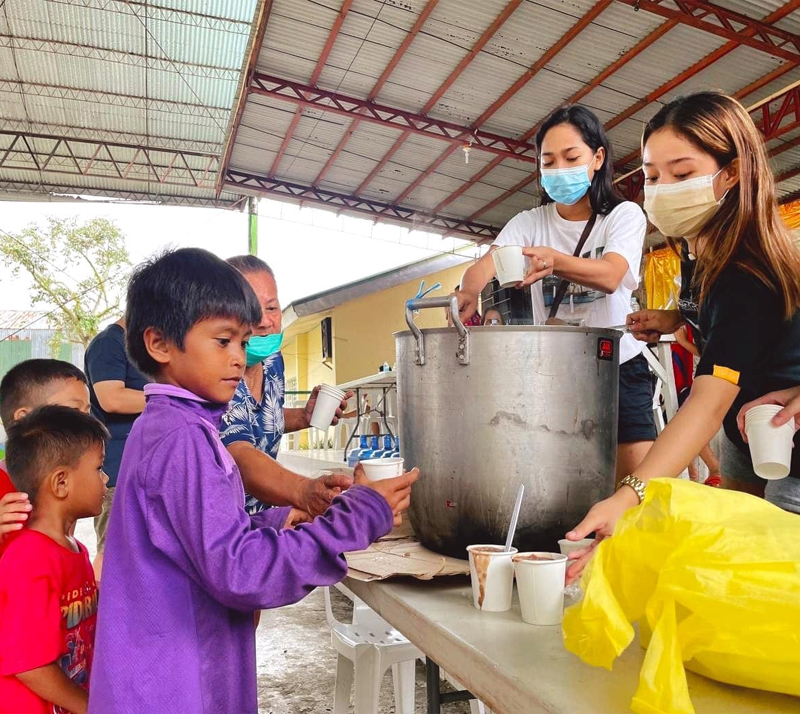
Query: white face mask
(680,210)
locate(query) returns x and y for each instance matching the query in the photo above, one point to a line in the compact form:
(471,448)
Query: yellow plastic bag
(714,575)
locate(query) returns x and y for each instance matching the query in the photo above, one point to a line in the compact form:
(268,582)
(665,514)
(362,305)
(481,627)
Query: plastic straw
(512,528)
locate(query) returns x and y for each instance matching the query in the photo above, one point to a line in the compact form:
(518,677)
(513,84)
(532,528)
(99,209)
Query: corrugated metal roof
(23,319)
(162,74)
(373,30)
(168,74)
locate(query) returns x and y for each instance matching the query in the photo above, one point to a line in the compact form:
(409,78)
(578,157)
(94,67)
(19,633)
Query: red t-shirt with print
(48,609)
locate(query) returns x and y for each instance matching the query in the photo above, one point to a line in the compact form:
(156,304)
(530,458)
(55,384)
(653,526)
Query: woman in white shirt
(576,173)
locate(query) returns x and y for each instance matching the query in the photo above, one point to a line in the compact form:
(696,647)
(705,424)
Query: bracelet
(636,484)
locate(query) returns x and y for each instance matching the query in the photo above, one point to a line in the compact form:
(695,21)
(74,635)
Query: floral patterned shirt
(259,423)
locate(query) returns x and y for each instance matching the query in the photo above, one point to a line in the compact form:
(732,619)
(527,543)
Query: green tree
(79,270)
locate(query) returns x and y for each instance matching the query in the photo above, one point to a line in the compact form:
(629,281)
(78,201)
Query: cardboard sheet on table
(401,554)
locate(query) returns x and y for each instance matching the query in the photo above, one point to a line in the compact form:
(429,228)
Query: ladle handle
(451,301)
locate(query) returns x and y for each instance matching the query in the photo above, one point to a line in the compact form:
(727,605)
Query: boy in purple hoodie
(187,566)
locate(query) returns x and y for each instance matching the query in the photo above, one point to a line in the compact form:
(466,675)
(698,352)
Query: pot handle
(451,301)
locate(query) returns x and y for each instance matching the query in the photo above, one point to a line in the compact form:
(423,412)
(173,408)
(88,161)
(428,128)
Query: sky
(309,249)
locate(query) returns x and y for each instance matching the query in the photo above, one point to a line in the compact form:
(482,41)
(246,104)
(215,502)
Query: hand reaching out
(789,399)
(396,491)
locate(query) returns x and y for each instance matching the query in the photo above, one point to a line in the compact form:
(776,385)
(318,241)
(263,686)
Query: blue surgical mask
(260,347)
(567,186)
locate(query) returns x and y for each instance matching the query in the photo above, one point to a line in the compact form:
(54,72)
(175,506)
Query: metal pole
(252,210)
(434,693)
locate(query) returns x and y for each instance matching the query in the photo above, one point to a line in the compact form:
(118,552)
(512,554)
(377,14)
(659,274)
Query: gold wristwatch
(636,484)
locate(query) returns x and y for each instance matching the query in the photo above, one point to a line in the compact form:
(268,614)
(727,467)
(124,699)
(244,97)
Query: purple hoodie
(185,566)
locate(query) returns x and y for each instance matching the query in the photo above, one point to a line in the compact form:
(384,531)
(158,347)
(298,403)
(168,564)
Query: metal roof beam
(62,192)
(334,103)
(696,68)
(375,209)
(323,58)
(727,24)
(526,77)
(794,196)
(107,54)
(54,154)
(779,14)
(398,55)
(165,13)
(113,98)
(786,175)
(480,43)
(531,133)
(253,51)
(119,137)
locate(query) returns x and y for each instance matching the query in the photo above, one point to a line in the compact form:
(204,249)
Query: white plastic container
(567,546)
(492,575)
(770,446)
(509,264)
(329,400)
(540,584)
(380,469)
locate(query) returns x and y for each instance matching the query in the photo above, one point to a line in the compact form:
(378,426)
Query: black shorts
(636,388)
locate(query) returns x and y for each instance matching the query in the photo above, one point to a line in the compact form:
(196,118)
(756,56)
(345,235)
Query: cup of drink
(329,400)
(379,469)
(509,264)
(492,575)
(567,546)
(540,584)
(770,446)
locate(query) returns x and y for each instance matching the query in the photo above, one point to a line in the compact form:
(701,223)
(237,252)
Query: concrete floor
(295,661)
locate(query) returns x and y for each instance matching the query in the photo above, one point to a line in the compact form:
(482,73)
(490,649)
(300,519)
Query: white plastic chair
(367,648)
(342,431)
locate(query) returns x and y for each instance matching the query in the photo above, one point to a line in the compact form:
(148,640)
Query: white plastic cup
(329,400)
(540,584)
(567,546)
(770,446)
(509,264)
(492,575)
(380,469)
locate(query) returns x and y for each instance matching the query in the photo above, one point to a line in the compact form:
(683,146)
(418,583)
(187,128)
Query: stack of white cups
(328,401)
(770,446)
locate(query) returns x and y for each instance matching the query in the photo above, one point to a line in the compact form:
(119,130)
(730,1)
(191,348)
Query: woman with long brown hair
(710,190)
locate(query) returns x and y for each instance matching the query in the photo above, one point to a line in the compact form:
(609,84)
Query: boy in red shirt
(48,594)
(30,384)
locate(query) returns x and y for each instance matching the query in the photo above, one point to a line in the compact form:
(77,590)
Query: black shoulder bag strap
(561,290)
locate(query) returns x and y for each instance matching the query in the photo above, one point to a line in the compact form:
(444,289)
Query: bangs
(224,293)
(178,289)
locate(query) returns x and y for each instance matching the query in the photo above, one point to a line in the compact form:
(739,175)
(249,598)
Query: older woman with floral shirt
(257,419)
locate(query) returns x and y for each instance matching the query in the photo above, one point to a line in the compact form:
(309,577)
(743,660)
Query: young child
(48,596)
(30,384)
(186,565)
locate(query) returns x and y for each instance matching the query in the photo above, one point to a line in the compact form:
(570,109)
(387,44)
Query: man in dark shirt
(117,398)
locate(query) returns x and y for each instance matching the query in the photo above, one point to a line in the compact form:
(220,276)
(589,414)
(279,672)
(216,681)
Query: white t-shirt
(622,232)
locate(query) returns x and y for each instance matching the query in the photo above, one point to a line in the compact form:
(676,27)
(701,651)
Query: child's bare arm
(52,685)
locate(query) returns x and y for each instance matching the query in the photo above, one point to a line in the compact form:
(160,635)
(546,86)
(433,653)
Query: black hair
(246,264)
(603,194)
(179,288)
(21,383)
(49,437)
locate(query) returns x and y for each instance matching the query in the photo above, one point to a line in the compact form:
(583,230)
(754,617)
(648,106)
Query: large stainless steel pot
(484,409)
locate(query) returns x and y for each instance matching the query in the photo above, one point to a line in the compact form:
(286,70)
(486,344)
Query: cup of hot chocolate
(540,584)
(492,574)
